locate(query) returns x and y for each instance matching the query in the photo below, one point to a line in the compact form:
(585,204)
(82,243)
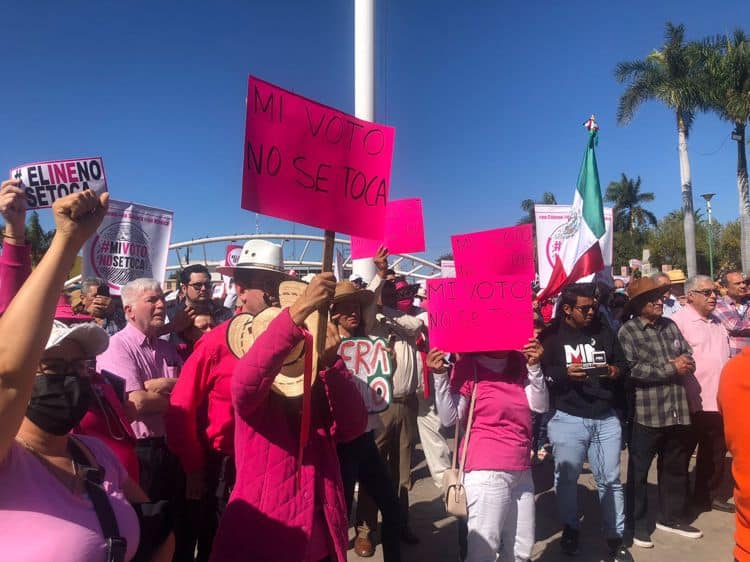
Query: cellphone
(118,383)
(103,290)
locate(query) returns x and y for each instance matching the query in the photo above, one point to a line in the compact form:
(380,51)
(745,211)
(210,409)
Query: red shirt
(201,416)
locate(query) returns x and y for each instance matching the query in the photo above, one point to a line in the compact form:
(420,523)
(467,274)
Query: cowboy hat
(244,330)
(639,290)
(346,291)
(92,339)
(257,255)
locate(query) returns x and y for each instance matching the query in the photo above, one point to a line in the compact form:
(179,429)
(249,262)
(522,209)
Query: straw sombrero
(244,330)
(347,291)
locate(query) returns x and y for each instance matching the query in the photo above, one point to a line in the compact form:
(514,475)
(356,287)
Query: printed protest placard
(479,314)
(492,253)
(403,234)
(45,182)
(447,268)
(312,164)
(368,359)
(554,224)
(131,242)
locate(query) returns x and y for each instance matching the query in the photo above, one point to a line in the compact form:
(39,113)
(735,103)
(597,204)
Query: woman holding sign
(492,395)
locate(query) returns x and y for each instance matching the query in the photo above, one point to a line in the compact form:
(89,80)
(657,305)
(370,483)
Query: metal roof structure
(308,260)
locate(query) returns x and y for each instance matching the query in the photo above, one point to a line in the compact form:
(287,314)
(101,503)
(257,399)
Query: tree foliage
(629,213)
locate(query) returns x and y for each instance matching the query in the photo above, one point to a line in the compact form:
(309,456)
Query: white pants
(437,453)
(501,510)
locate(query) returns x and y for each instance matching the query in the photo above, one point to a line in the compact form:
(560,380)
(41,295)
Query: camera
(102,290)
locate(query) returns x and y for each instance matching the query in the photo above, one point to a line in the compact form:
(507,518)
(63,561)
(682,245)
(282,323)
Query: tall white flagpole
(364,88)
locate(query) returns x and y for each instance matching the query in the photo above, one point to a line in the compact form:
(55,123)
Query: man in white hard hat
(201,403)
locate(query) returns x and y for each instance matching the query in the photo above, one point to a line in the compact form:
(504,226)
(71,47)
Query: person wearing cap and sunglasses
(733,311)
(660,360)
(200,420)
(586,365)
(710,344)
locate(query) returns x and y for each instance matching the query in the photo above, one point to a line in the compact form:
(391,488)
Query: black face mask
(59,402)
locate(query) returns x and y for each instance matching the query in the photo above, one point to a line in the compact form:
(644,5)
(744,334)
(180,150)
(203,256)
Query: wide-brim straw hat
(92,339)
(244,330)
(348,291)
(258,255)
(639,290)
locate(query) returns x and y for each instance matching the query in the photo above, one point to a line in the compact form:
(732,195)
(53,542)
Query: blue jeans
(573,439)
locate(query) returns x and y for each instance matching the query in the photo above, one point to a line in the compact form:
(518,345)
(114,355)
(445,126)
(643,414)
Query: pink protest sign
(309,163)
(479,314)
(492,253)
(404,231)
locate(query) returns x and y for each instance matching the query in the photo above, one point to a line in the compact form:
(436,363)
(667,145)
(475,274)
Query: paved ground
(438,533)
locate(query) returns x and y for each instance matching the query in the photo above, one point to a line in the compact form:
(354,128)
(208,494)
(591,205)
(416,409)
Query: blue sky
(487,98)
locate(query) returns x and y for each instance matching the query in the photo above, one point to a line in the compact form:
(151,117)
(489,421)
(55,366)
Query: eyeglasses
(706,292)
(586,308)
(199,286)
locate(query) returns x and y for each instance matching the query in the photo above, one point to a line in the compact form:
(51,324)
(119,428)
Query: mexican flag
(581,253)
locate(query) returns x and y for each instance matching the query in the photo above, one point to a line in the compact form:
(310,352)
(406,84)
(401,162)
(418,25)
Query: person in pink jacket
(277,512)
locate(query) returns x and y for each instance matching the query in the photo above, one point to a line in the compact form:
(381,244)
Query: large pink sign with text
(309,163)
(479,314)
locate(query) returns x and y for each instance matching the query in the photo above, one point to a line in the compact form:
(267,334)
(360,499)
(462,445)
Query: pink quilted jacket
(270,513)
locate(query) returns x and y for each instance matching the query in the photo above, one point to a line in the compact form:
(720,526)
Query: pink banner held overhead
(479,314)
(404,231)
(309,163)
(492,253)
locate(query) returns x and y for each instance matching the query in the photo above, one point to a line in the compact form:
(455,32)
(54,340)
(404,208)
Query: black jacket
(596,395)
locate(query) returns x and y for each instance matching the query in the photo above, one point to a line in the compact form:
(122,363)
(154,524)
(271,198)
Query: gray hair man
(710,343)
(99,304)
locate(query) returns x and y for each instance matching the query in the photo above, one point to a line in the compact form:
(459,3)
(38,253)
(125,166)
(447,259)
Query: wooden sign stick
(327,260)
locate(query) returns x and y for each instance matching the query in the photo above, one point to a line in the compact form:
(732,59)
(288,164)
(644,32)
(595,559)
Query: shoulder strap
(93,477)
(468,424)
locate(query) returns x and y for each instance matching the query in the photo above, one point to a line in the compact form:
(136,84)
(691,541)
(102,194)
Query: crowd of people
(132,429)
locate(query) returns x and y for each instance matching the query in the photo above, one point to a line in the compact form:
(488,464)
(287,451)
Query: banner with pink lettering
(502,251)
(46,182)
(404,231)
(479,314)
(312,164)
(131,242)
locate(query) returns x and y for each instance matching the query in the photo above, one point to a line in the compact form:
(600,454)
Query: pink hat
(64,312)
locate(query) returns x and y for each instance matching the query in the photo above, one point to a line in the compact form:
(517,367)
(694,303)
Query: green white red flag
(581,254)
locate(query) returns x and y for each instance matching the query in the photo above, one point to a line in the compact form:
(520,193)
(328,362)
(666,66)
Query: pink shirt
(40,519)
(710,342)
(501,430)
(138,358)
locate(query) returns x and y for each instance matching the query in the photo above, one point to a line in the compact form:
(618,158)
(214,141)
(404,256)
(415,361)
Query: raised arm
(26,324)
(15,261)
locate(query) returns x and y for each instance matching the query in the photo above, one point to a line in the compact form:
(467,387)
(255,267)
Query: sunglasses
(706,292)
(199,286)
(586,308)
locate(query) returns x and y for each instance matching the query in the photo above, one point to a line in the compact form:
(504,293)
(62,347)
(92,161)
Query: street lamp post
(707,197)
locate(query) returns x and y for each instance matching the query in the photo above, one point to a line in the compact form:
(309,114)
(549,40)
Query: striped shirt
(660,397)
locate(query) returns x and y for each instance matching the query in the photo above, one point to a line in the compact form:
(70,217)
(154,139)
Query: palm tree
(527,206)
(630,216)
(668,75)
(728,88)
